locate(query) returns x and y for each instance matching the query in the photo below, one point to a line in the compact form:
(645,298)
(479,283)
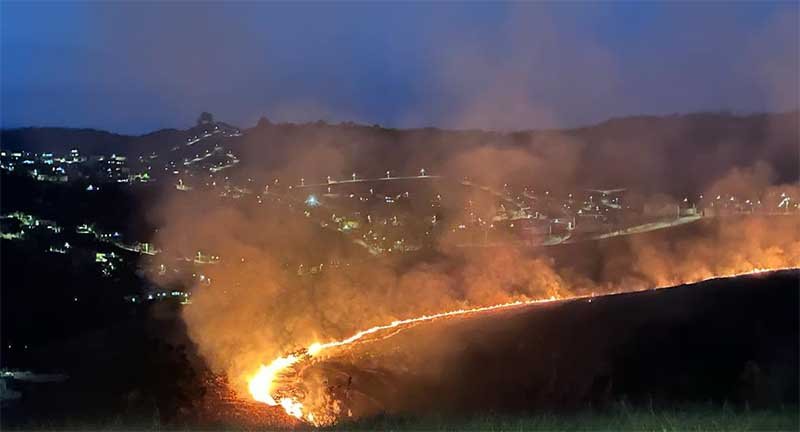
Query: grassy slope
(622,418)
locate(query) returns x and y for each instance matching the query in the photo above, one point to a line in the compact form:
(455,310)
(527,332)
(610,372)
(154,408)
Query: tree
(205,118)
(263,122)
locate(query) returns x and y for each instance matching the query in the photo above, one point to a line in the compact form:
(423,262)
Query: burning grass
(263,384)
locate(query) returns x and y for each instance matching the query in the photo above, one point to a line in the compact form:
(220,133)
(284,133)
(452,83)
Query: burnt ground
(733,341)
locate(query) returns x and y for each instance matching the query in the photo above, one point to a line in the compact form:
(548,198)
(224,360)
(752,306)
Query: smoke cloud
(284,282)
(286,279)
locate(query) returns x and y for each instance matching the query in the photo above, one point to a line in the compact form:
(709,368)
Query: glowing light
(312,201)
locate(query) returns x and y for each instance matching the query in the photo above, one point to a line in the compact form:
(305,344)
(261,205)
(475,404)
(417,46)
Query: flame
(262,384)
(294,408)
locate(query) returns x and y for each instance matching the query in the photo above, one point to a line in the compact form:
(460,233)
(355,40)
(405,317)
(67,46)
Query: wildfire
(262,384)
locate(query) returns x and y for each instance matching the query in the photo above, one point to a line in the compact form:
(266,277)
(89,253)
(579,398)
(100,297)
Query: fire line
(262,383)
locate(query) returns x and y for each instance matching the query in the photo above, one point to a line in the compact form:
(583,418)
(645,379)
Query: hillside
(728,342)
(684,152)
(731,340)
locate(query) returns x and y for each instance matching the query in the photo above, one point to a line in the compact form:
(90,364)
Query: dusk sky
(133,68)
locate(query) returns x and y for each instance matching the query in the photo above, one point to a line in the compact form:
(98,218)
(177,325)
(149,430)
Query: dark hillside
(684,153)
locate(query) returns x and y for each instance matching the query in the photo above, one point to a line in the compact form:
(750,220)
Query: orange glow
(262,384)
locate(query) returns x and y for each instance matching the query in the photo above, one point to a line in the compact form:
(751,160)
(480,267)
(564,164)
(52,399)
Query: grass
(620,418)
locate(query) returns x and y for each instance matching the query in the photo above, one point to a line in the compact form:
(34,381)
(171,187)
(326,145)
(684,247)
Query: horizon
(351,123)
(517,67)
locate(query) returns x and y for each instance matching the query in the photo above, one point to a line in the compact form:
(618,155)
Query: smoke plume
(284,282)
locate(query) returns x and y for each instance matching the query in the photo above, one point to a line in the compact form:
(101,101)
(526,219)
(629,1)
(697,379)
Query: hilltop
(684,152)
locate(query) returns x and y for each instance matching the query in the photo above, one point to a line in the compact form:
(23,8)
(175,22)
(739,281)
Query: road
(365,180)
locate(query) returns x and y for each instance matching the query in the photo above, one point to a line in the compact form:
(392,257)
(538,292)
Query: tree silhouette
(263,122)
(205,118)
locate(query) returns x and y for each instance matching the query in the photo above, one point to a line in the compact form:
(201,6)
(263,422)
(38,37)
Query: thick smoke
(264,300)
(284,281)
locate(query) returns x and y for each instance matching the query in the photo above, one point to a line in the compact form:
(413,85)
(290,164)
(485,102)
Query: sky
(137,67)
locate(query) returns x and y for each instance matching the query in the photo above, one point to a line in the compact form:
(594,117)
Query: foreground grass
(618,419)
